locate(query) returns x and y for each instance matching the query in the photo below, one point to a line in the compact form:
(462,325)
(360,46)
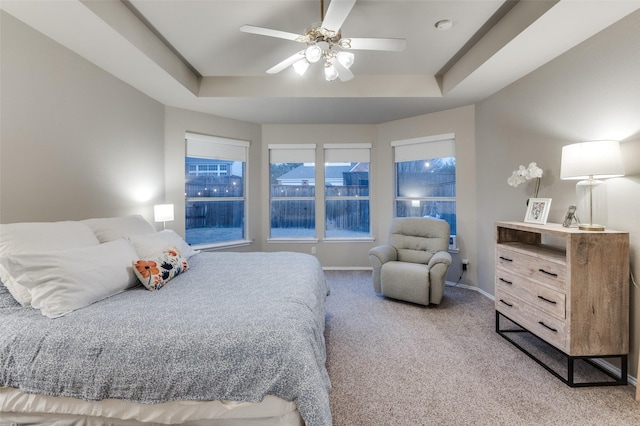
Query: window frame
(224,149)
(422,148)
(347,153)
(293,153)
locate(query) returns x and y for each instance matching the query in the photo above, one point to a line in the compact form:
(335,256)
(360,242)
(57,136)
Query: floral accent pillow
(155,273)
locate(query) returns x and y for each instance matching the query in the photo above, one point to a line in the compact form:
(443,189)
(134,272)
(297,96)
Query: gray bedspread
(235,326)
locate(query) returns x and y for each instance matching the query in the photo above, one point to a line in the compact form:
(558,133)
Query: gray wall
(460,122)
(177,122)
(334,254)
(76,142)
(590,93)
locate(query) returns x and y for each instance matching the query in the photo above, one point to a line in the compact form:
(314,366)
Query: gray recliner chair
(413,265)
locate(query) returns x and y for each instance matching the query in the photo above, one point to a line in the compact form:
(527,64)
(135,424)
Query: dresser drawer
(544,298)
(534,320)
(537,267)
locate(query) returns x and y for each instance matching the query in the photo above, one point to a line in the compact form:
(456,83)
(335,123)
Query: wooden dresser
(568,287)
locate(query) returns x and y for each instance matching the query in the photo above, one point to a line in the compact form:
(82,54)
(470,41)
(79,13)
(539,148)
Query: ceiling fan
(324,41)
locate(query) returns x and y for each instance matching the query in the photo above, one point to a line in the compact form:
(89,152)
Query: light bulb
(313,53)
(301,66)
(346,59)
(330,72)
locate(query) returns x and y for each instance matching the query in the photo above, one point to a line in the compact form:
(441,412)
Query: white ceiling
(191,54)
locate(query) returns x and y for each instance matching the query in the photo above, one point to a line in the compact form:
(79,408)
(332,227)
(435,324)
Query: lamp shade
(346,59)
(301,66)
(313,53)
(163,212)
(330,72)
(599,160)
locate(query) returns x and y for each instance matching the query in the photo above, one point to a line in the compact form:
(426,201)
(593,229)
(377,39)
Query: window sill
(293,240)
(220,246)
(349,240)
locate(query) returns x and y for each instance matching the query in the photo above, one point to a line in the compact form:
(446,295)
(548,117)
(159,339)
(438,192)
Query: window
(292,191)
(426,178)
(215,170)
(346,181)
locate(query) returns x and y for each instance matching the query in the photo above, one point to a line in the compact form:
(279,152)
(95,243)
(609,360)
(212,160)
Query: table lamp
(163,213)
(590,162)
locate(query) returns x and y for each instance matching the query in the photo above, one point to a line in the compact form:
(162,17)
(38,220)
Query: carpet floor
(395,363)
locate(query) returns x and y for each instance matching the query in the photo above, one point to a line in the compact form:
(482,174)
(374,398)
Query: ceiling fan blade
(287,62)
(344,74)
(269,32)
(390,44)
(337,13)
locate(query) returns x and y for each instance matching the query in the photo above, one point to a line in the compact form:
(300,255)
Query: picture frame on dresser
(538,210)
(569,217)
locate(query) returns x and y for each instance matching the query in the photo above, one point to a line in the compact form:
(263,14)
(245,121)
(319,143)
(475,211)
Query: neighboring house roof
(300,172)
(331,172)
(360,167)
(335,172)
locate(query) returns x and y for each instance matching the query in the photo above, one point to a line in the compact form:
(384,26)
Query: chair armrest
(384,253)
(378,256)
(440,257)
(438,266)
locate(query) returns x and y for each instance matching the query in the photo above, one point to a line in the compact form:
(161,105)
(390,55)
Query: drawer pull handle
(547,300)
(547,327)
(548,273)
(508,304)
(506,281)
(506,259)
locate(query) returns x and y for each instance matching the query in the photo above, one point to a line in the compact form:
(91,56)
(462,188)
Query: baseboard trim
(615,370)
(347,268)
(471,287)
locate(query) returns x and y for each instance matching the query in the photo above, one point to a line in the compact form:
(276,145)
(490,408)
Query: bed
(232,339)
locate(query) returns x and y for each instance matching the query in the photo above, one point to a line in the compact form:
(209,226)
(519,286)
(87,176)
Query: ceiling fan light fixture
(346,59)
(323,41)
(313,53)
(301,66)
(330,72)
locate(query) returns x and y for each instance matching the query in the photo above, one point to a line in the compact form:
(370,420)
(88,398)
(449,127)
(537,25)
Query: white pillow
(150,245)
(114,228)
(20,293)
(61,282)
(38,237)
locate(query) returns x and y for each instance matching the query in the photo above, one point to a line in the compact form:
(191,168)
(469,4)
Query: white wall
(76,142)
(590,93)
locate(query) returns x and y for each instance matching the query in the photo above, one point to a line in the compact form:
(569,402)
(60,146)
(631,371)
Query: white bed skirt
(17,407)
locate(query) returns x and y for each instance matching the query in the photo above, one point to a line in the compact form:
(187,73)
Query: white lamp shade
(346,59)
(163,212)
(330,72)
(301,66)
(313,53)
(599,159)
